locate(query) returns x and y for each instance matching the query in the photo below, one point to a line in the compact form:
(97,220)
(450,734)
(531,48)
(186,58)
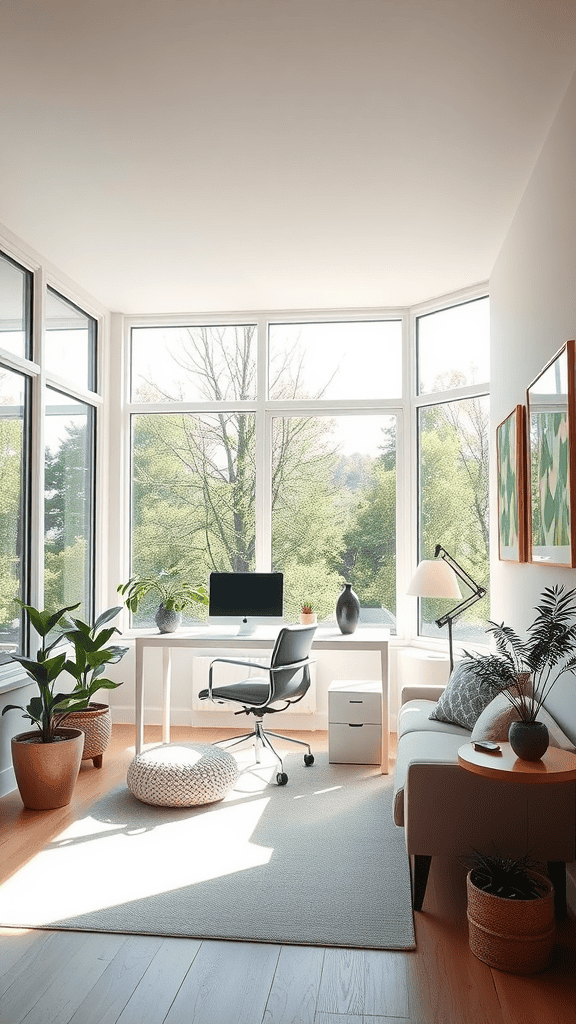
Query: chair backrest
(292,645)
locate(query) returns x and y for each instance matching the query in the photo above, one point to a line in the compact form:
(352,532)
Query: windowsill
(12,677)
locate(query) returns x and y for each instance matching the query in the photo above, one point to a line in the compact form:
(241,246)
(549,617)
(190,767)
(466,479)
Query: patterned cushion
(182,774)
(465,697)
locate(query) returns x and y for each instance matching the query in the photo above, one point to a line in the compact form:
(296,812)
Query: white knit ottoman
(182,774)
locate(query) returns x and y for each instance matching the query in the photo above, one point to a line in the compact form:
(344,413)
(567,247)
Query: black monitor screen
(246,593)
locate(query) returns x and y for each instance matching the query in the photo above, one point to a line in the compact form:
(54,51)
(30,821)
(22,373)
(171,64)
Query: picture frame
(511,472)
(551,461)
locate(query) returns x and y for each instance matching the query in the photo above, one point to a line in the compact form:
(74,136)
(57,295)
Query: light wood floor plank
(159,987)
(228,983)
(15,945)
(369,1019)
(75,979)
(549,996)
(294,993)
(342,984)
(385,984)
(108,997)
(338,1018)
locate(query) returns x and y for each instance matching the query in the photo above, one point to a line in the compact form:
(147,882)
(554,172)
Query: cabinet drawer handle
(355,725)
(356,702)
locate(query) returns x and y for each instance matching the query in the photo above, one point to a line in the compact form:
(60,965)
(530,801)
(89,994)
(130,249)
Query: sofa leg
(419,879)
(557,875)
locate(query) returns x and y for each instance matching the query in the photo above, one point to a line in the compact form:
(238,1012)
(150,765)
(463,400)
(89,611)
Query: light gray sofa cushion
(465,697)
(415,717)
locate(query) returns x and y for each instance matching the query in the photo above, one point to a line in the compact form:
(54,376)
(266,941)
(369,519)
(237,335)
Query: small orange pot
(46,773)
(308,618)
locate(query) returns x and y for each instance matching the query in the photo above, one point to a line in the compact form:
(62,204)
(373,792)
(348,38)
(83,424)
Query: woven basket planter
(511,935)
(96,724)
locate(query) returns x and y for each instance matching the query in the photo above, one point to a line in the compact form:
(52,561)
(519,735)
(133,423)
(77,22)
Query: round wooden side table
(556,765)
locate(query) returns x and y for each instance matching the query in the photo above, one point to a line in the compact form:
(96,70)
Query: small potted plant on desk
(47,760)
(175,592)
(510,914)
(92,653)
(307,616)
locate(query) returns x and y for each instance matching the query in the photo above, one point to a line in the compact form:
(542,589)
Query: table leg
(166,687)
(384,763)
(139,696)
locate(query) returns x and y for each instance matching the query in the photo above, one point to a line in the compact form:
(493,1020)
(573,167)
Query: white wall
(533,311)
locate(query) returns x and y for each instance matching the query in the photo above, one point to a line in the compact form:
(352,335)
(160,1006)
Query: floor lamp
(438,577)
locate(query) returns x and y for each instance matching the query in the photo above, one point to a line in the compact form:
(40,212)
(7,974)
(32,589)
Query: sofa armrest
(424,692)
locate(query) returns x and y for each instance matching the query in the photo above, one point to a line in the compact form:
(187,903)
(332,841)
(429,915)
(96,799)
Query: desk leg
(384,765)
(166,687)
(139,673)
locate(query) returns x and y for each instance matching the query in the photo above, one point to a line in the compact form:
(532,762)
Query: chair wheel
(281,778)
(308,759)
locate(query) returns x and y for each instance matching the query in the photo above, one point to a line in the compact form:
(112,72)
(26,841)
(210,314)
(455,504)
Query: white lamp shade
(434,578)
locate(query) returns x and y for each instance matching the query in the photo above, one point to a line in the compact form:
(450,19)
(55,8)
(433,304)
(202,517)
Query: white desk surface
(326,638)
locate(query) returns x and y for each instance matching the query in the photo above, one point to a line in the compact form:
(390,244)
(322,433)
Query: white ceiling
(191,155)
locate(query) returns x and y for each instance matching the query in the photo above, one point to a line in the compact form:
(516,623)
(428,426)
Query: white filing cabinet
(355,722)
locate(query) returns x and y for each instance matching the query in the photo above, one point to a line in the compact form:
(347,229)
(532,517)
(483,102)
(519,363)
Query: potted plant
(92,653)
(175,591)
(510,914)
(47,760)
(548,651)
(307,616)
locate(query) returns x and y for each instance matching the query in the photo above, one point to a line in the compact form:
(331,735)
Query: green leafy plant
(509,878)
(92,653)
(48,710)
(175,592)
(548,651)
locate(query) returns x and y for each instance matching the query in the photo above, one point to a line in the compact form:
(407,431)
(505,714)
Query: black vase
(529,740)
(347,610)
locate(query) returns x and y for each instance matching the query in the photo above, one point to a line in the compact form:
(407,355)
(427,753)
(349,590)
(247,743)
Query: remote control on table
(487,746)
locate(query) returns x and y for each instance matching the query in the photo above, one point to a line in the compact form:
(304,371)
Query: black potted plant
(176,593)
(47,760)
(510,913)
(548,651)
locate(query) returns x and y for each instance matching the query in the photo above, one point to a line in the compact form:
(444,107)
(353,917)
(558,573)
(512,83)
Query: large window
(290,469)
(14,506)
(453,445)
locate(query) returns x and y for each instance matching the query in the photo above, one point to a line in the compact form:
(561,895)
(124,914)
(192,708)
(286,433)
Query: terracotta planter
(308,618)
(96,724)
(511,935)
(46,773)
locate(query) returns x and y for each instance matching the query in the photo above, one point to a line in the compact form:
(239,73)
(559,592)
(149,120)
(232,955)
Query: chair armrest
(235,661)
(424,692)
(295,664)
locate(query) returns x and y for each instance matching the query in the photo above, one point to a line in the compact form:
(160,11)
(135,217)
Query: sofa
(446,811)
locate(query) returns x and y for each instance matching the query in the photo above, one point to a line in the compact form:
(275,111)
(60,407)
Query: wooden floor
(90,978)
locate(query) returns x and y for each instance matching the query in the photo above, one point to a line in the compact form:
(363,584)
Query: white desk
(366,638)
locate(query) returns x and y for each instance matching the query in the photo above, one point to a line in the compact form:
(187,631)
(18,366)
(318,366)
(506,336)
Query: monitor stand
(246,629)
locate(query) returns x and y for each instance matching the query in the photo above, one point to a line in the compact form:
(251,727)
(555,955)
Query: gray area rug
(317,862)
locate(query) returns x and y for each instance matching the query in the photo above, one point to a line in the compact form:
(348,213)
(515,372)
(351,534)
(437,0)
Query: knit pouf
(182,774)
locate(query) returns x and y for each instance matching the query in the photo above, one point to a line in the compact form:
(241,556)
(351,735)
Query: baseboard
(123,714)
(7,781)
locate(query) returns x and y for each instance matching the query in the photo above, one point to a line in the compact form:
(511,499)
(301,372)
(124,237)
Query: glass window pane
(13,510)
(334,513)
(454,347)
(70,342)
(192,498)
(68,553)
(453,452)
(15,307)
(336,360)
(194,364)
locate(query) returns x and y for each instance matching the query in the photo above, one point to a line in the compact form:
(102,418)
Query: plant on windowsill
(510,913)
(175,591)
(548,651)
(307,616)
(47,761)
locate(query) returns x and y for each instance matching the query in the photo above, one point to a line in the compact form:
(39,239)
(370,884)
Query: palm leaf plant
(507,877)
(547,652)
(48,709)
(175,592)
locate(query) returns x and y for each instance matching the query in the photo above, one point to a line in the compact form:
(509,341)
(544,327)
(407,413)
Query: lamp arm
(478,591)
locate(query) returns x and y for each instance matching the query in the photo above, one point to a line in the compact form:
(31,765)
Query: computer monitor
(246,599)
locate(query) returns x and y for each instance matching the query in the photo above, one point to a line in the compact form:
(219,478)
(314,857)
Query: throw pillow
(465,697)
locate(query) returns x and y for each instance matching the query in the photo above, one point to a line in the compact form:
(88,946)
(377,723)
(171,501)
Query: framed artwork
(511,455)
(551,422)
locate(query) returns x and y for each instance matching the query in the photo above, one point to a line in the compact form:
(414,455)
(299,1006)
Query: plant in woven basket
(92,653)
(509,878)
(548,651)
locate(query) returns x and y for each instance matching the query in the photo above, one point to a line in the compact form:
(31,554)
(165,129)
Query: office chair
(288,680)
